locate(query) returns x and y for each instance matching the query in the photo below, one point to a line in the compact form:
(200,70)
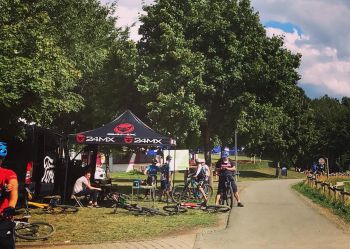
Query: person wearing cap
(201,176)
(226,168)
(151,172)
(8,201)
(165,179)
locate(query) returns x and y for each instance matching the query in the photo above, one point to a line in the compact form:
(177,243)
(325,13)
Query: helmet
(225,154)
(168,157)
(3,150)
(200,160)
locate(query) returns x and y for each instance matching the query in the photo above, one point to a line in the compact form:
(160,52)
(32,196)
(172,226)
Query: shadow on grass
(255,174)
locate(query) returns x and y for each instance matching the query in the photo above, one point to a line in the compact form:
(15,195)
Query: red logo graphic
(80,138)
(128,139)
(124,128)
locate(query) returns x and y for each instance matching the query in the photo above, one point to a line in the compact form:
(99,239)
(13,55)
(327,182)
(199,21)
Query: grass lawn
(335,206)
(100,225)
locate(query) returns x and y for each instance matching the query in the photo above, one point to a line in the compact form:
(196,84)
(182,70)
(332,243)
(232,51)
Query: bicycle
(227,197)
(32,230)
(189,191)
(182,207)
(52,207)
(120,201)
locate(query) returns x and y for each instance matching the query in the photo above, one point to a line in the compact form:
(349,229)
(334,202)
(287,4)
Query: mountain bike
(227,197)
(52,207)
(31,230)
(120,201)
(189,191)
(182,207)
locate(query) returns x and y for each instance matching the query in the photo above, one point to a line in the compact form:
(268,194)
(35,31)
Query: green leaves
(47,49)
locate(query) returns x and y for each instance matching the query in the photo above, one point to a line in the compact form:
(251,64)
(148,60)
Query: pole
(327,167)
(67,158)
(236,155)
(174,172)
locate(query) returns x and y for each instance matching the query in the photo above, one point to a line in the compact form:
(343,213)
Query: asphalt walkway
(275,217)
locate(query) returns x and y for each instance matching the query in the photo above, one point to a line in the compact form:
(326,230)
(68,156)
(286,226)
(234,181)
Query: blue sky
(317,29)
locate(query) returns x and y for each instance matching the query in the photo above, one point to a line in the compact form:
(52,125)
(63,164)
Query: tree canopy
(49,50)
(211,62)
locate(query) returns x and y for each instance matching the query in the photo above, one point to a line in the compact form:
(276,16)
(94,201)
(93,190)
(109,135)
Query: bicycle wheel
(175,209)
(217,208)
(62,209)
(229,196)
(131,208)
(152,211)
(208,190)
(177,192)
(34,230)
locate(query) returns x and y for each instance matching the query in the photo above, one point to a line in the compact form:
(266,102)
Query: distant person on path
(82,187)
(8,201)
(225,168)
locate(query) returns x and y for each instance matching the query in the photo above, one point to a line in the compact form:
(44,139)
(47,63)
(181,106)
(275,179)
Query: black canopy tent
(125,130)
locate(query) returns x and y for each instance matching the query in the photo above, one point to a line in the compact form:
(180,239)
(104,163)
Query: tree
(201,59)
(36,78)
(50,53)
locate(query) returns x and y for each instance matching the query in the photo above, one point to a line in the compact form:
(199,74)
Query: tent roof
(127,129)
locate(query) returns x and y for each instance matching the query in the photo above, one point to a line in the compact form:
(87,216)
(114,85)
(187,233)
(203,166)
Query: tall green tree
(49,53)
(209,63)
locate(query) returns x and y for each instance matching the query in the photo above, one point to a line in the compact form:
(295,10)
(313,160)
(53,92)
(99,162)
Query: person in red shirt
(8,200)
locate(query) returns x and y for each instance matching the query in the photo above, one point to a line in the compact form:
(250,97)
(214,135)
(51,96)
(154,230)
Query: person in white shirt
(201,177)
(82,187)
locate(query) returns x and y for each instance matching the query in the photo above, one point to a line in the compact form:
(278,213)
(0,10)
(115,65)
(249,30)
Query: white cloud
(324,44)
(320,65)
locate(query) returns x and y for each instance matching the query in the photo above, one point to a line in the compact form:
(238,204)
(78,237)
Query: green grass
(257,173)
(100,225)
(335,206)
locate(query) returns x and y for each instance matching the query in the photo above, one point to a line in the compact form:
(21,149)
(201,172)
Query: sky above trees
(318,29)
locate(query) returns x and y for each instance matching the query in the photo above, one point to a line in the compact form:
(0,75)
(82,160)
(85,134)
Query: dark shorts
(164,185)
(221,186)
(151,180)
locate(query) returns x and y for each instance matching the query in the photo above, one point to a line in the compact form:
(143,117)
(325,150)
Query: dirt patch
(339,222)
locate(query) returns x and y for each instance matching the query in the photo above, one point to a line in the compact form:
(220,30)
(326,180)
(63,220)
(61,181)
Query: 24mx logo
(147,141)
(100,139)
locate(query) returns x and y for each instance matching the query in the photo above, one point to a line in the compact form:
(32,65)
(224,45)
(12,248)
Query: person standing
(165,179)
(226,168)
(151,172)
(202,176)
(8,201)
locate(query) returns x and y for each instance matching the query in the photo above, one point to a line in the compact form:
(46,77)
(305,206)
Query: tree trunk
(206,146)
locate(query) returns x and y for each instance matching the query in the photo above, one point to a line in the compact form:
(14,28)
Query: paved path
(176,242)
(275,217)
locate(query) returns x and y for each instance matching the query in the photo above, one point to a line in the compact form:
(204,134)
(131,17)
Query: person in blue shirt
(151,172)
(165,179)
